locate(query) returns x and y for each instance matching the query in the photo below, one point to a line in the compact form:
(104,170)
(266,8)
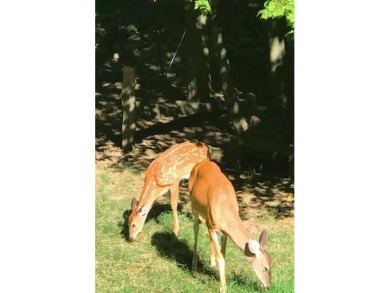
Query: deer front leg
(212,256)
(223,250)
(220,260)
(174,191)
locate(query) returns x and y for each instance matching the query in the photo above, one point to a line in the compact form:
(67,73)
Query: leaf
(290,19)
(271,6)
(278,9)
(203,6)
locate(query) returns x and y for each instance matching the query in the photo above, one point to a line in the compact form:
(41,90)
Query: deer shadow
(169,246)
(125,225)
(239,280)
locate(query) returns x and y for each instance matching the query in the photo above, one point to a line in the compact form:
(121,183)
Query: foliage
(278,9)
(203,6)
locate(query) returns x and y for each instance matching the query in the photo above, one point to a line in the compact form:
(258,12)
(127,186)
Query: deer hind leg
(196,232)
(220,260)
(223,245)
(174,191)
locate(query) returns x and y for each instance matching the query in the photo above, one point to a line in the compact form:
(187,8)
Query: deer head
(137,218)
(260,260)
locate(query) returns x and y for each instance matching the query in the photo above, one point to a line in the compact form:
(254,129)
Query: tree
(128,61)
(197,52)
(128,106)
(281,13)
(239,122)
(207,48)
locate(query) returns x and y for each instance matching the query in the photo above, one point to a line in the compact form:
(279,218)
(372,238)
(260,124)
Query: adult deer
(213,200)
(164,174)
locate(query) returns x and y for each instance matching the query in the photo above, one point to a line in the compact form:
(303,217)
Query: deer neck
(239,235)
(149,193)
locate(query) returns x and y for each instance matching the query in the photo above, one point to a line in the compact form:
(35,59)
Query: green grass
(160,262)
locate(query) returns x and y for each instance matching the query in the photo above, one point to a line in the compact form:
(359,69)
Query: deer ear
(134,203)
(263,238)
(144,209)
(253,246)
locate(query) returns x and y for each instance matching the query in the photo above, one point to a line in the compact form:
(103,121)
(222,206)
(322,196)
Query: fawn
(164,174)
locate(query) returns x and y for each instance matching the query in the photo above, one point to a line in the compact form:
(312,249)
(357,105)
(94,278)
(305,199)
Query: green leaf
(203,6)
(278,9)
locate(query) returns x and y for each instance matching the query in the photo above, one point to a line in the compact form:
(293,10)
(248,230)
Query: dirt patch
(106,151)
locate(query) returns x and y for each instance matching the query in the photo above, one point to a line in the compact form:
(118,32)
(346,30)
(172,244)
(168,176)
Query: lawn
(160,262)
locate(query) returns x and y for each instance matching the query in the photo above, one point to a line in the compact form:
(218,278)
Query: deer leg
(174,191)
(196,232)
(212,256)
(223,245)
(220,260)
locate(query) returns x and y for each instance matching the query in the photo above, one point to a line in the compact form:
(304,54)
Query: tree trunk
(128,106)
(239,122)
(277,49)
(282,81)
(198,53)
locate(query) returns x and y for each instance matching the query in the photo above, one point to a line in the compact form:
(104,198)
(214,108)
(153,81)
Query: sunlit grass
(159,262)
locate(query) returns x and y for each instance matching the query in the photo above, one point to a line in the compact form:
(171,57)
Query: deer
(213,201)
(164,174)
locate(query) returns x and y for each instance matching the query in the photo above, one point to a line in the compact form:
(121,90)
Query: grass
(160,262)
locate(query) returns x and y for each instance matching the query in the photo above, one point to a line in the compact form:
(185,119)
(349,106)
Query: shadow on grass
(125,225)
(158,209)
(169,246)
(239,280)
